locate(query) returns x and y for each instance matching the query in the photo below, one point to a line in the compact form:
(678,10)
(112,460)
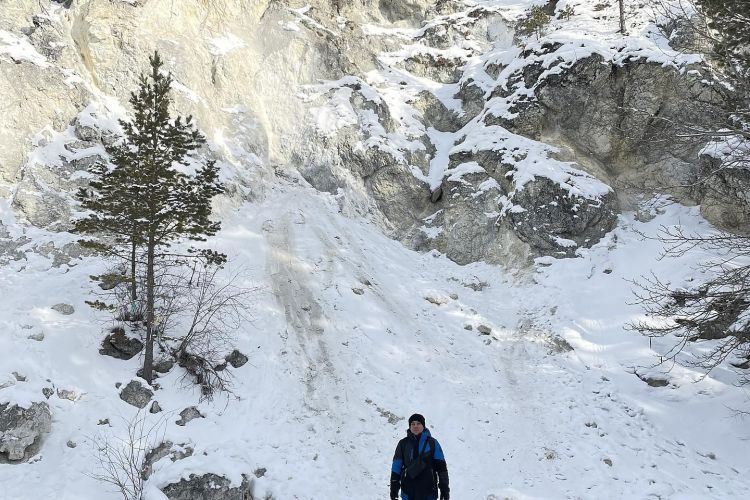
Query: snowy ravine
(333,373)
(526,371)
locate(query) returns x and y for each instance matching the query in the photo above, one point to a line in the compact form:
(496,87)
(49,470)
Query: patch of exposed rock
(435,67)
(236,359)
(136,394)
(64,309)
(189,414)
(164,449)
(120,346)
(21,430)
(209,487)
(617,122)
(556,223)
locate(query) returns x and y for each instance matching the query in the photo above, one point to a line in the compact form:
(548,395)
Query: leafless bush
(215,307)
(716,310)
(121,460)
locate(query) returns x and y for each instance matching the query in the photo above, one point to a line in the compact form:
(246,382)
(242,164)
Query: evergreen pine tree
(145,200)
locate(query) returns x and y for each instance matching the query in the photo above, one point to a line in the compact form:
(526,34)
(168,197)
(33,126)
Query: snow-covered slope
(334,372)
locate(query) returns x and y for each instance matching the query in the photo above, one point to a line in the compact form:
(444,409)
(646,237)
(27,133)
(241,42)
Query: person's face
(416,427)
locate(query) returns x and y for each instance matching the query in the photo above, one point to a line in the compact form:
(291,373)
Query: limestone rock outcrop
(371,101)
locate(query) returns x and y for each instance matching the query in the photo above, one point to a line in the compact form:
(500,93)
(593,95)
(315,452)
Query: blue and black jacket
(433,477)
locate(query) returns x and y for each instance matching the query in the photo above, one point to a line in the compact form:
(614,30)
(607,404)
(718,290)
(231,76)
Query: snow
(188,92)
(222,45)
(333,373)
(328,365)
(17,48)
(529,159)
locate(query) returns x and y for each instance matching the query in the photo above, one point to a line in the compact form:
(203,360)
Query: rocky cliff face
(434,119)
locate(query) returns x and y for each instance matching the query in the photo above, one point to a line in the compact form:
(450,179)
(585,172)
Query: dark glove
(445,494)
(394,489)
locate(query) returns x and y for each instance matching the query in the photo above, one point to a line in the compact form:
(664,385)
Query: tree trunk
(148,358)
(622,17)
(133,282)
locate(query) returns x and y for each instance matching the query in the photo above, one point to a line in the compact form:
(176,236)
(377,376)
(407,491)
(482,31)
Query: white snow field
(333,374)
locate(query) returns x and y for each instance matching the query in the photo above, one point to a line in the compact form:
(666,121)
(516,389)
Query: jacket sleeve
(441,467)
(398,464)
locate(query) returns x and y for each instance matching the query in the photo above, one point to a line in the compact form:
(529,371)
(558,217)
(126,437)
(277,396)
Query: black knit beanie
(418,418)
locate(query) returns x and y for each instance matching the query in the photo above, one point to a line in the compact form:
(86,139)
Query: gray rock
(484,329)
(163,365)
(435,114)
(153,456)
(120,346)
(71,444)
(654,381)
(437,299)
(402,10)
(189,414)
(477,286)
(401,198)
(551,220)
(725,197)
(590,104)
(208,487)
(558,344)
(155,407)
(184,452)
(555,223)
(434,67)
(436,194)
(472,100)
(463,226)
(236,359)
(38,336)
(136,394)
(21,429)
(69,394)
(63,308)
(86,132)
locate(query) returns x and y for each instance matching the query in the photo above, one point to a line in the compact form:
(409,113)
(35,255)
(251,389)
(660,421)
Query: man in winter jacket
(419,467)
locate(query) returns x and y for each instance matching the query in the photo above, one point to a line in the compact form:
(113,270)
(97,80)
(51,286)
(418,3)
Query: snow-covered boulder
(22,428)
(555,222)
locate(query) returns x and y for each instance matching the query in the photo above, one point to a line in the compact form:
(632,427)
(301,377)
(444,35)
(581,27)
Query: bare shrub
(212,307)
(122,460)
